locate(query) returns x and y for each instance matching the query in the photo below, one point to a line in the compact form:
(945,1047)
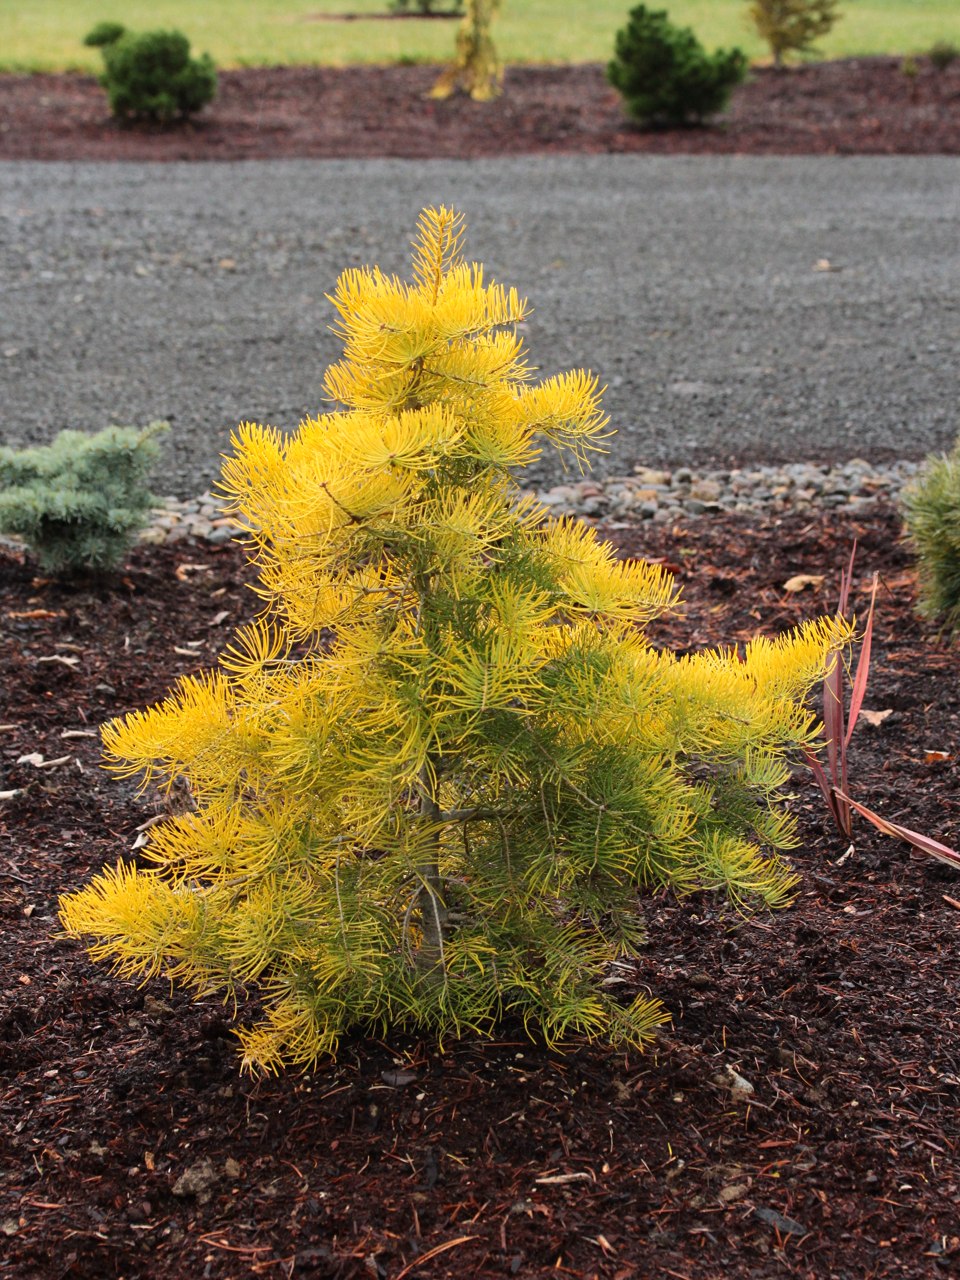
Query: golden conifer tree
(430,780)
(792,26)
(476,68)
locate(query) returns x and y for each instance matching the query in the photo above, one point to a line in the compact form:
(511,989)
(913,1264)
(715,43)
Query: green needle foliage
(932,515)
(665,75)
(430,781)
(79,502)
(150,75)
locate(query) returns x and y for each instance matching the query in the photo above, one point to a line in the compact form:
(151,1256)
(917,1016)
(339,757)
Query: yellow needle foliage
(476,68)
(430,781)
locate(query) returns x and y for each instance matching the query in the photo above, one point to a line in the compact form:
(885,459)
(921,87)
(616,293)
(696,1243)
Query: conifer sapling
(476,67)
(792,26)
(432,778)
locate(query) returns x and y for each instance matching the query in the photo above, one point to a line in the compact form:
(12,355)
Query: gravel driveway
(738,309)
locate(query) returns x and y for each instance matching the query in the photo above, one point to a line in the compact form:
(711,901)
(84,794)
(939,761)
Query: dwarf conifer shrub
(943,54)
(932,515)
(150,75)
(792,26)
(665,75)
(79,502)
(428,8)
(432,778)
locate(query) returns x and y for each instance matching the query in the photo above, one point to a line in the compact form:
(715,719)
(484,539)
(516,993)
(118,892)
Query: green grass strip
(47,35)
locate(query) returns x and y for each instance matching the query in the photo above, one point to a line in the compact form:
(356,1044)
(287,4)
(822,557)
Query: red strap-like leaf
(863,668)
(840,815)
(925,844)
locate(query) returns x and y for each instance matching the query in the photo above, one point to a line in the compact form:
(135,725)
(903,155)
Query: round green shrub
(665,75)
(943,54)
(151,75)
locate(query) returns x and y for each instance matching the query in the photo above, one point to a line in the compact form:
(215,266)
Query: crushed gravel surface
(739,309)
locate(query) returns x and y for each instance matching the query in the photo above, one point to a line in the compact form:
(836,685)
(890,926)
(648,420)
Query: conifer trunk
(433,911)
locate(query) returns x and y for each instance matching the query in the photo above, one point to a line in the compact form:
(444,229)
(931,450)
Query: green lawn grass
(46,35)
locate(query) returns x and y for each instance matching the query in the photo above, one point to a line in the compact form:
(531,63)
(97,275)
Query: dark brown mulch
(483,1160)
(491,1160)
(867,106)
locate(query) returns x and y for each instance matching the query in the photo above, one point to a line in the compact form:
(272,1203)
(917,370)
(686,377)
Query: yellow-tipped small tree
(792,26)
(476,68)
(430,781)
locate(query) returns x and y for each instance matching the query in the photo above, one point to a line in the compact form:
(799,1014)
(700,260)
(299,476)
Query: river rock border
(648,494)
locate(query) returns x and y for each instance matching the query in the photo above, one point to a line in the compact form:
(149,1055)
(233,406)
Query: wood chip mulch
(864,106)
(130,1146)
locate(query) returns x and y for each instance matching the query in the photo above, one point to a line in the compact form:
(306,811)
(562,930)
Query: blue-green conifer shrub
(665,75)
(79,502)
